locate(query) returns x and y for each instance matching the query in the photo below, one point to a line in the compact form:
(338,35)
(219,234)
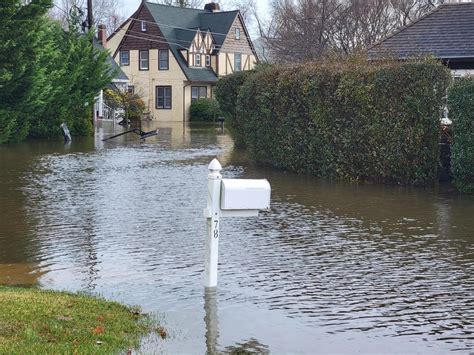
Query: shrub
(348,119)
(227,90)
(132,104)
(461,112)
(204,110)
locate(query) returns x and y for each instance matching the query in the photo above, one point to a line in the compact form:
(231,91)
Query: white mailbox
(228,198)
(245,194)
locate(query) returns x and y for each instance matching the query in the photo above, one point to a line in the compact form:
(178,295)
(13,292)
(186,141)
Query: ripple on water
(127,222)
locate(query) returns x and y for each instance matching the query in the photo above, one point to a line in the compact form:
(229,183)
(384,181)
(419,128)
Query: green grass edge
(34,320)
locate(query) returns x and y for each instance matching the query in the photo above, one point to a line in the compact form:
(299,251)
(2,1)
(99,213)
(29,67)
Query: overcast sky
(129,6)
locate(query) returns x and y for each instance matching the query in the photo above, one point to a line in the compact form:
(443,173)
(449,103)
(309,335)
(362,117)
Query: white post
(212,213)
(101,104)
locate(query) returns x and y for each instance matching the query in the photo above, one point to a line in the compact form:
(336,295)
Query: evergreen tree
(18,49)
(69,74)
(47,75)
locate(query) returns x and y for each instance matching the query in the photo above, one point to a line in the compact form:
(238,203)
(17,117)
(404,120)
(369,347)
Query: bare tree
(105,12)
(360,23)
(302,30)
(408,11)
(247,9)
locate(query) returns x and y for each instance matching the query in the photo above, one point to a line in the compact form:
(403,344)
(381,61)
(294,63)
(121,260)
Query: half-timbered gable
(237,52)
(200,50)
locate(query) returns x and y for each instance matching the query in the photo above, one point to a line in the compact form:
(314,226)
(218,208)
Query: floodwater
(331,268)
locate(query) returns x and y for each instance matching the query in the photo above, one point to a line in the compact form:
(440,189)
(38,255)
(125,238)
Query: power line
(179,28)
(61,9)
(150,37)
(155,40)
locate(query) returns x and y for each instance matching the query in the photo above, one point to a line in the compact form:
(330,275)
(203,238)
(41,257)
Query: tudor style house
(446,33)
(173,55)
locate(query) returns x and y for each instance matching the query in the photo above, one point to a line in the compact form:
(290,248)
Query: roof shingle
(179,26)
(447,33)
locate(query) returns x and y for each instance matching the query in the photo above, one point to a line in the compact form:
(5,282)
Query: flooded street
(332,268)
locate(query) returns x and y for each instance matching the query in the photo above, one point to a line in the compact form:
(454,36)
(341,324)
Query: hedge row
(461,112)
(204,110)
(351,120)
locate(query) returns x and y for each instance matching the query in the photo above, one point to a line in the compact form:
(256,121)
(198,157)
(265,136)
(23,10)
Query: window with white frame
(237,62)
(197,60)
(237,33)
(163,97)
(124,58)
(144,62)
(198,92)
(208,60)
(143,26)
(163,59)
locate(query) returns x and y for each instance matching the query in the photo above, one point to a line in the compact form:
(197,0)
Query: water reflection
(211,321)
(342,266)
(251,346)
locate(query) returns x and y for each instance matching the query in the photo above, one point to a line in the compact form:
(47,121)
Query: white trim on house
(459,73)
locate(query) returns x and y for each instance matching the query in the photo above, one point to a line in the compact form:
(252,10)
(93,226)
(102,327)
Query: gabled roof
(179,26)
(447,33)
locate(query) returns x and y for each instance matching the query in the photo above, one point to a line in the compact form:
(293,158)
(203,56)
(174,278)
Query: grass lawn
(38,321)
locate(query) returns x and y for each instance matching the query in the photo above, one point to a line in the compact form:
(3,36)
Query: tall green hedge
(351,120)
(227,92)
(461,112)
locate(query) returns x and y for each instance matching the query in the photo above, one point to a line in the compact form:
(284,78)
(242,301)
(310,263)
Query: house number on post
(229,198)
(216,230)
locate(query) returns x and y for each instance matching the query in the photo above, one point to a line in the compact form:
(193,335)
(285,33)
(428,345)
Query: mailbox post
(229,198)
(212,214)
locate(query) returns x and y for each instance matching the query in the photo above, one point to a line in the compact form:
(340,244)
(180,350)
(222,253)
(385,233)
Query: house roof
(447,33)
(179,26)
(114,67)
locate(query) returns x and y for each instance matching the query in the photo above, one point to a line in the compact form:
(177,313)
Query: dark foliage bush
(350,119)
(227,91)
(461,112)
(204,110)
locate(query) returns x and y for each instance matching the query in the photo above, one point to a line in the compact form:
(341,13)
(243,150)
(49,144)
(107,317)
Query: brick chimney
(212,7)
(102,35)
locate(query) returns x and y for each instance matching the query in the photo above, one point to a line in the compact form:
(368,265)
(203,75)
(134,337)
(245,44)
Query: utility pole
(90,21)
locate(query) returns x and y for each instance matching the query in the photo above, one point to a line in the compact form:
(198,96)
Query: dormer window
(143,26)
(197,60)
(208,60)
(237,33)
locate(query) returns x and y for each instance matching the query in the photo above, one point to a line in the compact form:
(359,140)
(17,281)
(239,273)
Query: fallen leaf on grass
(98,330)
